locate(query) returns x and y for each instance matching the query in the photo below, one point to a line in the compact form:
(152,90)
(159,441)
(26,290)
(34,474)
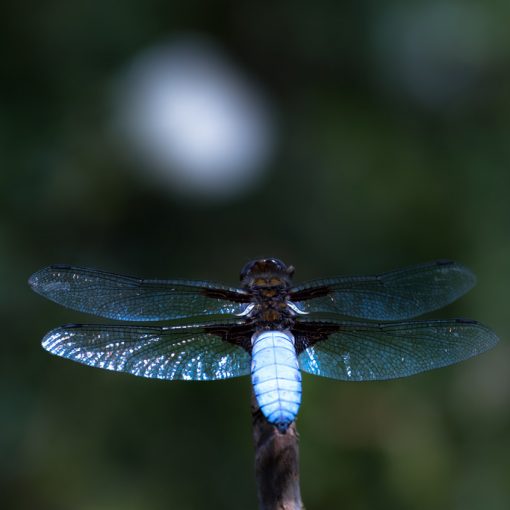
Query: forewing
(127,298)
(186,353)
(352,351)
(400,294)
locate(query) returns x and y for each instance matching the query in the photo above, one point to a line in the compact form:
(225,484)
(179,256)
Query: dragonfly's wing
(352,351)
(397,295)
(127,298)
(187,353)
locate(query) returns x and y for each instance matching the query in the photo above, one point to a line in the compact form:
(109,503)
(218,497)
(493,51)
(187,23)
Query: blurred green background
(391,147)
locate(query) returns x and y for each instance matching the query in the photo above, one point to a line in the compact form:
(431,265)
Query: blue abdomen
(276,377)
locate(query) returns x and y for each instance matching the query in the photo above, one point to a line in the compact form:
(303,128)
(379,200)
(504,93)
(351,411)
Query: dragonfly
(349,328)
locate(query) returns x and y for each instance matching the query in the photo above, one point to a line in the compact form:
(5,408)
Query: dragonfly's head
(266,272)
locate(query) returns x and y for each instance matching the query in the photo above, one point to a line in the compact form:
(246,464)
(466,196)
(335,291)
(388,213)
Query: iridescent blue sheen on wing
(133,299)
(370,351)
(185,352)
(396,295)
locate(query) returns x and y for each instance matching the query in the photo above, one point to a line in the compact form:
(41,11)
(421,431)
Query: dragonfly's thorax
(268,281)
(270,309)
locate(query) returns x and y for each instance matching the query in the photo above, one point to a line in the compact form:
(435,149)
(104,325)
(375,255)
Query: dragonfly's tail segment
(276,377)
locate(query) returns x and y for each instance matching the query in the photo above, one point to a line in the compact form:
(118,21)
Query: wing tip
(469,278)
(48,341)
(35,280)
(490,337)
(32,281)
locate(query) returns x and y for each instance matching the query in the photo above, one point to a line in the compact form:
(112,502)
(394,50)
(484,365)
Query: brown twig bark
(276,464)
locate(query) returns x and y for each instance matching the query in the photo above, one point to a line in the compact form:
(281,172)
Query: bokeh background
(182,139)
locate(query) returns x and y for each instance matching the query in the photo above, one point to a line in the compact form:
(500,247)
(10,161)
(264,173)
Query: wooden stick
(276,464)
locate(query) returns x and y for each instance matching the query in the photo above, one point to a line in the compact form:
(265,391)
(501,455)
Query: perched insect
(268,328)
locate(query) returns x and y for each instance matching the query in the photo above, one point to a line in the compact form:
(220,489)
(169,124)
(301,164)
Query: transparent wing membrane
(133,299)
(352,351)
(400,294)
(186,353)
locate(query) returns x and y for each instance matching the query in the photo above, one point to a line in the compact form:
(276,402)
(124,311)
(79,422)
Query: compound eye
(276,264)
(247,269)
(263,266)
